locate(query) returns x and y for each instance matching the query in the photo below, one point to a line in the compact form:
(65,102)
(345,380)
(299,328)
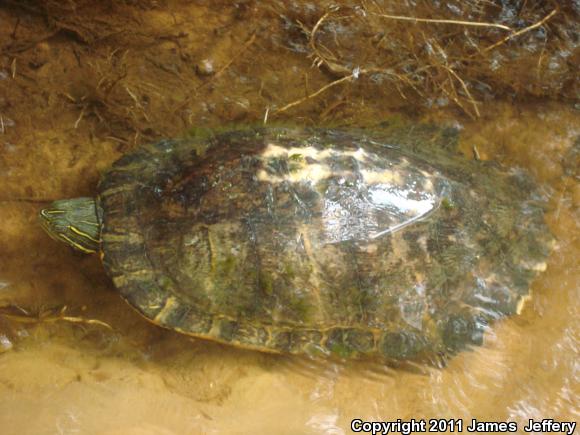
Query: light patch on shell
(423,241)
(167,309)
(131,276)
(384,177)
(314,281)
(374,198)
(522,303)
(384,196)
(412,305)
(535,266)
(315,172)
(370,248)
(130,238)
(311,172)
(399,249)
(277,151)
(120,281)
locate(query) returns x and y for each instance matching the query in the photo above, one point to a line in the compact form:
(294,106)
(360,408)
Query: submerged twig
(561,197)
(522,31)
(13,68)
(318,92)
(446,75)
(43,317)
(320,59)
(441,21)
(82,114)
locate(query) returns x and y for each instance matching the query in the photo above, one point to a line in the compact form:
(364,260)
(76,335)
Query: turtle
(319,241)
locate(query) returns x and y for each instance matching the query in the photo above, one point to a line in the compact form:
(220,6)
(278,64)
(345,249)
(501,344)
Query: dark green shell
(322,241)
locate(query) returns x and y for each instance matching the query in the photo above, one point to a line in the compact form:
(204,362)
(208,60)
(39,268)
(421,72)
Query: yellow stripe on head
(80,233)
(76,245)
(75,222)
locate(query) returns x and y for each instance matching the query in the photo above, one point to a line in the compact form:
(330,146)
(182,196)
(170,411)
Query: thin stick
(24,319)
(319,57)
(318,92)
(520,32)
(465,89)
(328,60)
(86,321)
(137,103)
(244,48)
(319,23)
(437,21)
(60,316)
(452,74)
(117,139)
(80,117)
(454,97)
(565,186)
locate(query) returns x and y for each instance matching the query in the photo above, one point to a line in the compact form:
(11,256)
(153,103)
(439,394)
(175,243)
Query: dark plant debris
(138,70)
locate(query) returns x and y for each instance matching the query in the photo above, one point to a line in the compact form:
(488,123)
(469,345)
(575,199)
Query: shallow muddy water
(76,359)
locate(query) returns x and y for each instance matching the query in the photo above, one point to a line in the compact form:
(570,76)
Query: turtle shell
(322,241)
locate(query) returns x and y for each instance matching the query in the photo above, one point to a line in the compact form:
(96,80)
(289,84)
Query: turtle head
(73,221)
